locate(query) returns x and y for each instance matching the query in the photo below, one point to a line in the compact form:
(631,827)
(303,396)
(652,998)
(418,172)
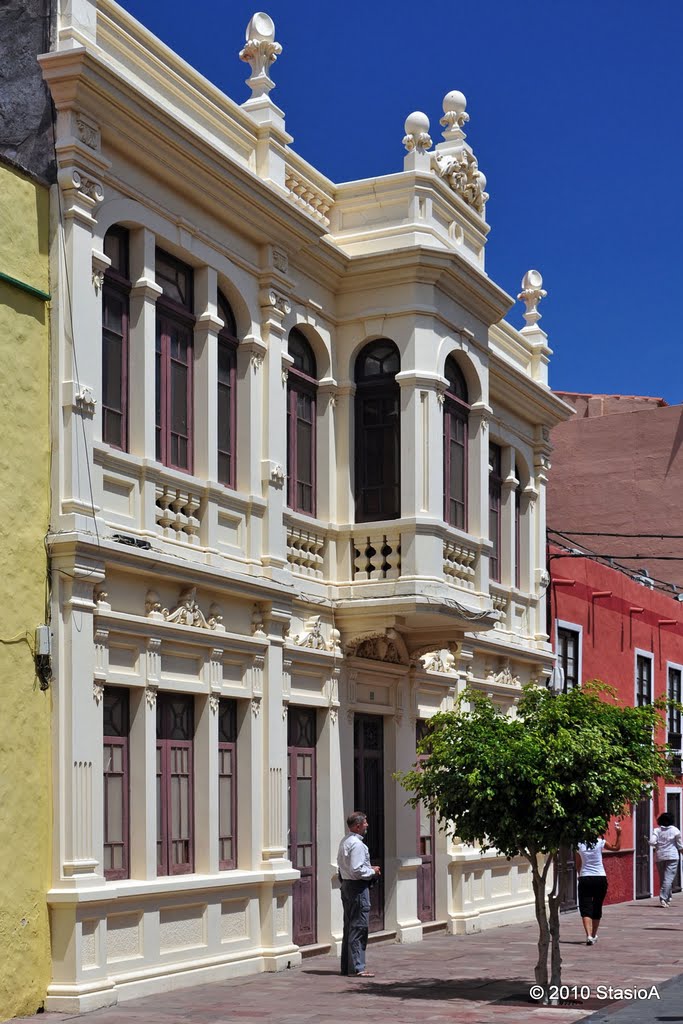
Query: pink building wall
(618,466)
(618,617)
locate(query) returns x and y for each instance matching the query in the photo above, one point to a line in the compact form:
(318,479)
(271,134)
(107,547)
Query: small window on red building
(643,680)
(115,782)
(568,641)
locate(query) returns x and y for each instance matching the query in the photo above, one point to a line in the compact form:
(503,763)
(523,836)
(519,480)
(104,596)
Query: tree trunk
(554,920)
(541,969)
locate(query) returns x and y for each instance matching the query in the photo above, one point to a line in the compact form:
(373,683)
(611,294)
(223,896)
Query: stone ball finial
(454,112)
(261,27)
(455,101)
(531,294)
(417,132)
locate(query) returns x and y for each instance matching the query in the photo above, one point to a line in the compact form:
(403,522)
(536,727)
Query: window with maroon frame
(227,393)
(302,386)
(115,731)
(378,433)
(518,531)
(175,784)
(495,496)
(455,421)
(174,358)
(227,784)
(115,320)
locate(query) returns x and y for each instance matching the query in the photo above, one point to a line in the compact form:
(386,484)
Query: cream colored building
(266,571)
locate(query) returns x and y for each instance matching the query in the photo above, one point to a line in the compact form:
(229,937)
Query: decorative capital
(531,294)
(417,138)
(98,692)
(151,693)
(259,52)
(214,702)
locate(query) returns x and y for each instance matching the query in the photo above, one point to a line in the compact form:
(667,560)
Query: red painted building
(605,625)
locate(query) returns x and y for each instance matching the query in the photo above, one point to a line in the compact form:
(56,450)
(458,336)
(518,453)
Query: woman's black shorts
(592,892)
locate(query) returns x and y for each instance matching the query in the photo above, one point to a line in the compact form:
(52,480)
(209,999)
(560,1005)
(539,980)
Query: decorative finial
(417,138)
(260,52)
(454,115)
(531,294)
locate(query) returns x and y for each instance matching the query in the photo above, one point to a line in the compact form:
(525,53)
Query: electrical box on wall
(43,641)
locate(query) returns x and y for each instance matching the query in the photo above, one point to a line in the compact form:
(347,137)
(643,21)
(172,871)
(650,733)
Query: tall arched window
(174,362)
(455,417)
(301,435)
(227,393)
(115,307)
(378,433)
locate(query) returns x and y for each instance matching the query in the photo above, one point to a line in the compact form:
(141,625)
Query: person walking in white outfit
(668,845)
(593,883)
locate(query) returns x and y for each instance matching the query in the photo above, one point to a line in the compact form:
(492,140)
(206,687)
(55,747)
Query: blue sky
(575,113)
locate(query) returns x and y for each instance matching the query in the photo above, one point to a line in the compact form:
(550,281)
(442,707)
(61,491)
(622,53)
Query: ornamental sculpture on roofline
(531,294)
(260,51)
(454,160)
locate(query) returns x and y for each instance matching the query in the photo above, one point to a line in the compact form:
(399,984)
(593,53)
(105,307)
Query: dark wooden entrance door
(426,851)
(301,737)
(641,829)
(566,878)
(673,806)
(368,742)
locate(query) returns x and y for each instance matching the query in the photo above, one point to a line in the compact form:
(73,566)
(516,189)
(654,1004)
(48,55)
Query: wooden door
(301,738)
(426,851)
(641,829)
(566,878)
(368,737)
(673,806)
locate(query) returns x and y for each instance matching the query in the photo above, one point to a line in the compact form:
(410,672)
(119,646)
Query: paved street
(478,979)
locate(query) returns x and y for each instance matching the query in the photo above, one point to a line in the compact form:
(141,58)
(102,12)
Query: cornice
(511,387)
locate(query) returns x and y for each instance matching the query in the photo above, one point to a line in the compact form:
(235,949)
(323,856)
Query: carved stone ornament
(334,643)
(256,706)
(388,647)
(259,53)
(280,261)
(102,598)
(279,303)
(531,294)
(277,476)
(214,702)
(97,280)
(151,693)
(88,134)
(417,138)
(334,712)
(98,692)
(84,400)
(87,187)
(461,171)
(544,579)
(258,621)
(153,605)
(439,661)
(186,612)
(454,112)
(503,677)
(312,637)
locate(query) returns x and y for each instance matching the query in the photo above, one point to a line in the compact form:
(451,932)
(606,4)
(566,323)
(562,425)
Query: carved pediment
(388,647)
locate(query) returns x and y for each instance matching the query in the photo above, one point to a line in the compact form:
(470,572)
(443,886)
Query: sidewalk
(475,979)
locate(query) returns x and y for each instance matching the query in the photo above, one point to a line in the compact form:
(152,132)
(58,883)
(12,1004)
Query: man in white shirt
(357,875)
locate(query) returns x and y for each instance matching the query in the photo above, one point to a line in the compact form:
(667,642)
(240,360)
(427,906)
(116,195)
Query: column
(508,536)
(274,307)
(206,374)
(408,925)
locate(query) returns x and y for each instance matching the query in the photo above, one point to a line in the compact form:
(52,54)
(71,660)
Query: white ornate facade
(168,583)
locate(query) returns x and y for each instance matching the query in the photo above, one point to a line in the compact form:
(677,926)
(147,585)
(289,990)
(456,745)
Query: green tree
(552,775)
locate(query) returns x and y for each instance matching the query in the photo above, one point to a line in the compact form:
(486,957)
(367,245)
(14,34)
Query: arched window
(227,393)
(518,529)
(495,501)
(115,316)
(301,435)
(174,362)
(455,418)
(378,433)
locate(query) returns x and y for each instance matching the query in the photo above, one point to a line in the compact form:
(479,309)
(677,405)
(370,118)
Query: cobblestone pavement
(474,979)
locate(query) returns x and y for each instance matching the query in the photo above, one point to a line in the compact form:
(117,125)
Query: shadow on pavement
(488,990)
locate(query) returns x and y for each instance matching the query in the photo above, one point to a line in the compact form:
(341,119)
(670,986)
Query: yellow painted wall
(25,808)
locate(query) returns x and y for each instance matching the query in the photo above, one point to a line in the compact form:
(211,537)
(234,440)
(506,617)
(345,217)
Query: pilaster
(478,485)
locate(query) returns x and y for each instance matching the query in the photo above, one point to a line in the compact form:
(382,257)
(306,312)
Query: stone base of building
(471,922)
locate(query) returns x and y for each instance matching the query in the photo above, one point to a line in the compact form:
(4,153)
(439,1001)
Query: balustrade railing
(178,514)
(460,564)
(376,556)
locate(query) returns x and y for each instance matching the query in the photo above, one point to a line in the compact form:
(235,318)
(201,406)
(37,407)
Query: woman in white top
(593,883)
(668,845)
